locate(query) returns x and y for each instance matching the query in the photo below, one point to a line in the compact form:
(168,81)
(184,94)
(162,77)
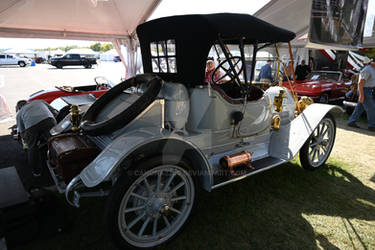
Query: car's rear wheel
(22,64)
(150,204)
(316,150)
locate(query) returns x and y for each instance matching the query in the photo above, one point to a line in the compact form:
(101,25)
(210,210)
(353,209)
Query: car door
(11,60)
(337,86)
(76,59)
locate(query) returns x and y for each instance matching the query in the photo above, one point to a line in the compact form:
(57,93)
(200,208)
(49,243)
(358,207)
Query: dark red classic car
(102,85)
(323,86)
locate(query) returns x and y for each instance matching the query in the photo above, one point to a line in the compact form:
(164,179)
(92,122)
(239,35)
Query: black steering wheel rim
(231,72)
(91,127)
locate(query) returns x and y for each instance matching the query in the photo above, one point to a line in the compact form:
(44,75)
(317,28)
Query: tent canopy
(98,20)
(294,15)
(82,52)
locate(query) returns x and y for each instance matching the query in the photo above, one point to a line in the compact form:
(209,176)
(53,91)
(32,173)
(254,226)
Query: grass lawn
(283,208)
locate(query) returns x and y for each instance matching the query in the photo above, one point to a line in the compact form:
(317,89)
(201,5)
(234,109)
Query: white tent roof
(58,52)
(99,20)
(19,51)
(111,52)
(82,51)
(294,15)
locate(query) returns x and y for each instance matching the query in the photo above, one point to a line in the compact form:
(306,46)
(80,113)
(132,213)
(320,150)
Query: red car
(323,86)
(102,86)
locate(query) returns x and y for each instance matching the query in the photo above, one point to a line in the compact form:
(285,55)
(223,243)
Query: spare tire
(91,127)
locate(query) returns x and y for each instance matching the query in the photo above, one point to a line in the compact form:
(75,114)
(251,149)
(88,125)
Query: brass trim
(276,120)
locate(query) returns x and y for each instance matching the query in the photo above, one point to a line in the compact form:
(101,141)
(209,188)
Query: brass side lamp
(75,118)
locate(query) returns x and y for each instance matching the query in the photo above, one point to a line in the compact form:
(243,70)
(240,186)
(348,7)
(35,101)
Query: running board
(259,166)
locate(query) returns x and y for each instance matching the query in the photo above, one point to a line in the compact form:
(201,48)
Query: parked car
(153,140)
(323,86)
(72,60)
(102,85)
(13,60)
(40,60)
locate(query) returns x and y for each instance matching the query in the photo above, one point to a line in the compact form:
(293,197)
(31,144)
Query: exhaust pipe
(230,162)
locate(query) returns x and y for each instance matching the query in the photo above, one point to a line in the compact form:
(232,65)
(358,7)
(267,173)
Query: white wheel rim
(156,206)
(321,143)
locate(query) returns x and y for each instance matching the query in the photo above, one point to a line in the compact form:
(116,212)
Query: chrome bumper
(349,104)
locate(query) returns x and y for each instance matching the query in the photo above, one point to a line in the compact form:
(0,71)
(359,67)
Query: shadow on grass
(262,212)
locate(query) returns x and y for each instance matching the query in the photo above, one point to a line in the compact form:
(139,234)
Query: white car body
(6,59)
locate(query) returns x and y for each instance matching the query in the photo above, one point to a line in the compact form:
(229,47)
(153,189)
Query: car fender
(286,142)
(115,154)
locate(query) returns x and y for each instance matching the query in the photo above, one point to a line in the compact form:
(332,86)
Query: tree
(96,47)
(67,48)
(106,47)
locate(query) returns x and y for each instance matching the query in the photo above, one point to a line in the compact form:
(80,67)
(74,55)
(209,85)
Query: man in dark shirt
(302,70)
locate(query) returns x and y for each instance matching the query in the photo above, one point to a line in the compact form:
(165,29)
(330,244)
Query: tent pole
(294,87)
(117,44)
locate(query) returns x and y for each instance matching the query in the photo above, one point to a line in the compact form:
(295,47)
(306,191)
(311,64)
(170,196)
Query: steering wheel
(90,125)
(101,83)
(230,68)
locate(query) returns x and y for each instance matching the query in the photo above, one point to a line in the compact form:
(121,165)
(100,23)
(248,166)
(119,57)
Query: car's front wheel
(150,204)
(22,64)
(316,150)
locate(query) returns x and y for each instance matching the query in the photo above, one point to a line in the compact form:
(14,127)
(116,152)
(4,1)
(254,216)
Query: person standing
(34,120)
(366,99)
(265,74)
(302,70)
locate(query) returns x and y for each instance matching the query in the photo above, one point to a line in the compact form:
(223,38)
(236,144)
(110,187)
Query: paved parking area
(18,83)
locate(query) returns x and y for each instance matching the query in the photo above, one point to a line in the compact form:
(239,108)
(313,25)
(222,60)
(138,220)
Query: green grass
(283,208)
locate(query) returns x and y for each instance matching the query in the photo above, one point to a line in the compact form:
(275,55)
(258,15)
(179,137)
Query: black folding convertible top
(195,34)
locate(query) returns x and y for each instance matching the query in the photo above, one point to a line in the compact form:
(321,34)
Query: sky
(166,8)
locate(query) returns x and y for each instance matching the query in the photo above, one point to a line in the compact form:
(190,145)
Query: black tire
(89,126)
(304,152)
(126,181)
(22,64)
(88,65)
(323,98)
(59,65)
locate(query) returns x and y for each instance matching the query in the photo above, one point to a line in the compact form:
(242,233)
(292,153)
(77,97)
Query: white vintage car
(151,142)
